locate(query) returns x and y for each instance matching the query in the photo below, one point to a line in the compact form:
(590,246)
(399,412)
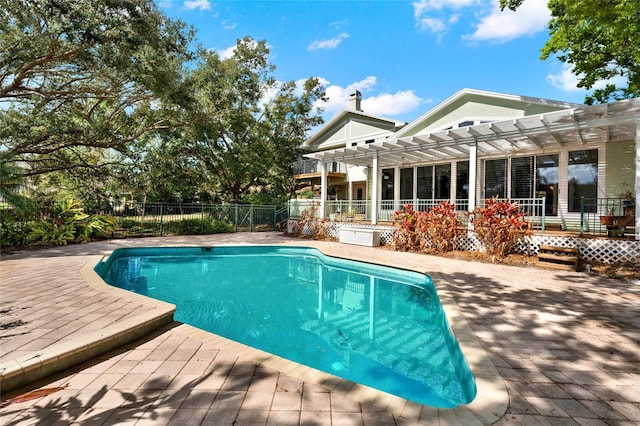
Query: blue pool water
(378,326)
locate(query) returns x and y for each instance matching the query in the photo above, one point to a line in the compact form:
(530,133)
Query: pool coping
(490,404)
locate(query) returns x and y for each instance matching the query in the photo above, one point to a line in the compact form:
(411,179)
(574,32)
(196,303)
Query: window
(387,184)
(583,178)
(522,177)
(443,181)
(495,178)
(465,123)
(462,180)
(406,184)
(547,182)
(425,182)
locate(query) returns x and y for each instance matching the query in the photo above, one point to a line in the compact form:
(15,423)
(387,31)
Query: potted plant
(609,219)
(351,214)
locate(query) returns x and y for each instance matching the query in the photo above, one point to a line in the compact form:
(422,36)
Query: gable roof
(343,117)
(582,124)
(500,106)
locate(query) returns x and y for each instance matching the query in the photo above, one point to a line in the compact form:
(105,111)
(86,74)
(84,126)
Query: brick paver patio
(566,345)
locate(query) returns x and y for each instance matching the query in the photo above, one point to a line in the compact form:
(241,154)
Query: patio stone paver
(567,346)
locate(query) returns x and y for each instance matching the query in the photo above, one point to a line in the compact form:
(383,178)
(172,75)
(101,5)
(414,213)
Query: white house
(576,159)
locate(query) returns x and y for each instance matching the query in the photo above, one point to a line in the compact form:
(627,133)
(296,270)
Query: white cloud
(434,25)
(228,25)
(505,25)
(434,15)
(566,80)
(339,24)
(382,104)
(391,103)
(197,4)
(328,44)
(227,53)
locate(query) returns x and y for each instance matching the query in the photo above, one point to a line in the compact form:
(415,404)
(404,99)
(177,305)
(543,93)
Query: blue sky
(404,56)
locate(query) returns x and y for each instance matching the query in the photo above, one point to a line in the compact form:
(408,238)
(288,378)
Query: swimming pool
(378,326)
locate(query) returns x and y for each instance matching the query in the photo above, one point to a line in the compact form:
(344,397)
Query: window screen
(443,182)
(522,177)
(406,184)
(425,182)
(495,178)
(387,184)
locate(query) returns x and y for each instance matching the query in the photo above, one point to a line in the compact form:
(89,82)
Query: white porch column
(396,188)
(637,189)
(323,188)
(473,175)
(374,191)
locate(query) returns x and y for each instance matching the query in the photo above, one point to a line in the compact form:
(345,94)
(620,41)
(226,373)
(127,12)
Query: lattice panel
(598,250)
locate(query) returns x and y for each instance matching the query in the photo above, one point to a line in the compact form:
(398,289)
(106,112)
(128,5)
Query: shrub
(441,227)
(309,224)
(67,222)
(499,225)
(198,226)
(405,235)
(436,231)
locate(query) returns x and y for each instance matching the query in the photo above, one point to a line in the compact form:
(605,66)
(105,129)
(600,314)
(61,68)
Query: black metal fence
(613,217)
(163,219)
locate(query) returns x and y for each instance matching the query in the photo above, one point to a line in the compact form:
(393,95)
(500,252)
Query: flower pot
(607,220)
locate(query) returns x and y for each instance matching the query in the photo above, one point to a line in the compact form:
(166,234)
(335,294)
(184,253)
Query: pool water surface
(374,325)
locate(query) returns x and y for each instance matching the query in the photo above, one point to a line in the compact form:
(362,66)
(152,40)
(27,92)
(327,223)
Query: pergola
(585,124)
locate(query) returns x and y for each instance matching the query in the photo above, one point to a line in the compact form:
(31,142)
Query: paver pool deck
(546,347)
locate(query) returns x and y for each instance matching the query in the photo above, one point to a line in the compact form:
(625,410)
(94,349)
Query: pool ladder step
(566,258)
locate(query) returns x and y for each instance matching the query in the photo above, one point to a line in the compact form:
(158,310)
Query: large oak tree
(81,79)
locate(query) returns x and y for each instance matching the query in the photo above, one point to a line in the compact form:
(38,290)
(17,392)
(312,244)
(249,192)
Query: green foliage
(436,230)
(11,182)
(65,222)
(81,81)
(249,125)
(307,193)
(600,39)
(198,226)
(500,225)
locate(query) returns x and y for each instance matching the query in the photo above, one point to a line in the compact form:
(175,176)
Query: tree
(600,39)
(250,125)
(81,78)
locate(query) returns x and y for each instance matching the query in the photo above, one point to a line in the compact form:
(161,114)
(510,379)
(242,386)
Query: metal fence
(613,217)
(163,219)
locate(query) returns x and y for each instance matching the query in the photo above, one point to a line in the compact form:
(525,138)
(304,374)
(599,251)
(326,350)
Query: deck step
(566,258)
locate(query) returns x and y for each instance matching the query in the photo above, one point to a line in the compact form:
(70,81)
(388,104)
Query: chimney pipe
(354,101)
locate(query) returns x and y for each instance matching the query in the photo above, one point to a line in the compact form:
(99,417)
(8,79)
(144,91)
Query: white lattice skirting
(597,250)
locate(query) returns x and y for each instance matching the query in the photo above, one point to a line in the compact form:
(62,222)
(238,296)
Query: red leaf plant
(500,225)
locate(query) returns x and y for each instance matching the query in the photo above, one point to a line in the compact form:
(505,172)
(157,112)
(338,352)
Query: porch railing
(309,166)
(611,217)
(360,210)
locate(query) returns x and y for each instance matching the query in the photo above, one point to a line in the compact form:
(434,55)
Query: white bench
(361,237)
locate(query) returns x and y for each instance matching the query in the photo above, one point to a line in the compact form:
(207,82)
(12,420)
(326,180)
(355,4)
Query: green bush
(65,222)
(197,227)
